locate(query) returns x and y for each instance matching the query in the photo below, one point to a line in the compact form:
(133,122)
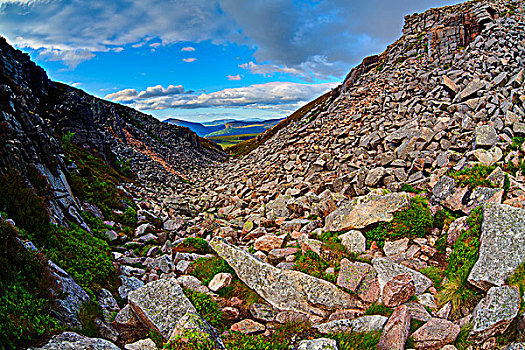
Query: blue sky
(201,60)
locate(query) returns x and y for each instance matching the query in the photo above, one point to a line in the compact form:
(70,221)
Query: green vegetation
(194,245)
(462,341)
(205,268)
(25,293)
(379,309)
(238,289)
(518,279)
(435,274)
(416,221)
(475,176)
(231,140)
(87,315)
(312,264)
(457,290)
(207,308)
(356,341)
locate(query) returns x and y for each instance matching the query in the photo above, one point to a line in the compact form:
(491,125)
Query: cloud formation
(234,77)
(189,60)
(188,49)
(130,95)
(312,39)
(283,96)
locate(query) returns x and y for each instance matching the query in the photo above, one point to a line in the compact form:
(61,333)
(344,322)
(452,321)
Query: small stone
(269,242)
(263,312)
(485,136)
(396,247)
(143,344)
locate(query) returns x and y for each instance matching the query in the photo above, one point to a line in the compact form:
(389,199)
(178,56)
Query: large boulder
(387,270)
(74,341)
(160,305)
(285,289)
(435,334)
(366,210)
(395,332)
(495,312)
(398,290)
(360,278)
(502,247)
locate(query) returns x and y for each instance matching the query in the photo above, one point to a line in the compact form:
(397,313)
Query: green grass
(194,245)
(207,308)
(206,268)
(416,221)
(379,309)
(475,176)
(435,274)
(231,140)
(312,264)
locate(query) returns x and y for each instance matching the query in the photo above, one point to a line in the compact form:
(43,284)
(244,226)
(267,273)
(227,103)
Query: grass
(230,140)
(312,264)
(518,279)
(207,308)
(356,341)
(462,341)
(416,221)
(475,176)
(194,245)
(465,252)
(206,268)
(379,309)
(435,274)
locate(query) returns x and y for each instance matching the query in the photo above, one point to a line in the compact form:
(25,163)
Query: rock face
(435,334)
(502,247)
(74,341)
(495,312)
(386,270)
(363,211)
(285,289)
(160,305)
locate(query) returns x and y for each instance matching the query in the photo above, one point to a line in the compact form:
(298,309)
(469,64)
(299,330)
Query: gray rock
(318,344)
(395,332)
(435,334)
(193,326)
(173,225)
(129,284)
(285,289)
(514,346)
(160,305)
(374,176)
(393,248)
(485,136)
(471,89)
(366,210)
(360,324)
(262,312)
(192,283)
(502,247)
(74,341)
(387,269)
(495,312)
(71,299)
(162,263)
(353,241)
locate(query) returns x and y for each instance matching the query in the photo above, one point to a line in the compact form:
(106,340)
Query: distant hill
(221,130)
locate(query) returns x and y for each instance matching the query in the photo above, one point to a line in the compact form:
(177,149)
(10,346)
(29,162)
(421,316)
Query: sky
(201,60)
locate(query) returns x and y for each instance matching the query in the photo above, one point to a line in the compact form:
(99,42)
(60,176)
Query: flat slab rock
(495,312)
(435,334)
(318,344)
(387,269)
(285,289)
(160,305)
(502,247)
(366,210)
(74,341)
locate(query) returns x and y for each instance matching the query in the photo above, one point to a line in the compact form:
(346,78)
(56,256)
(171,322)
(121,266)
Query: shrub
(416,221)
(129,218)
(206,307)
(311,263)
(87,315)
(25,297)
(195,245)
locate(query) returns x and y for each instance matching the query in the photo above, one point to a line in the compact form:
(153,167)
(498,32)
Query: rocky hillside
(386,214)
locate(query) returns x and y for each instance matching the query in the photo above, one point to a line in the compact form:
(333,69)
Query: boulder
(366,210)
(160,305)
(393,248)
(193,326)
(360,324)
(262,312)
(395,332)
(173,225)
(398,290)
(495,312)
(143,344)
(318,344)
(285,289)
(435,334)
(471,89)
(129,284)
(162,263)
(360,278)
(485,136)
(387,269)
(269,242)
(74,341)
(502,247)
(192,283)
(248,326)
(353,241)
(219,281)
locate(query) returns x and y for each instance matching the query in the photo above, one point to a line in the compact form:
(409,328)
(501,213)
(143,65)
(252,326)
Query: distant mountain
(227,127)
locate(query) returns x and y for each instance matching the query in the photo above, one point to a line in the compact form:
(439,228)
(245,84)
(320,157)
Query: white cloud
(276,95)
(188,49)
(234,77)
(71,58)
(191,59)
(155,91)
(76,84)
